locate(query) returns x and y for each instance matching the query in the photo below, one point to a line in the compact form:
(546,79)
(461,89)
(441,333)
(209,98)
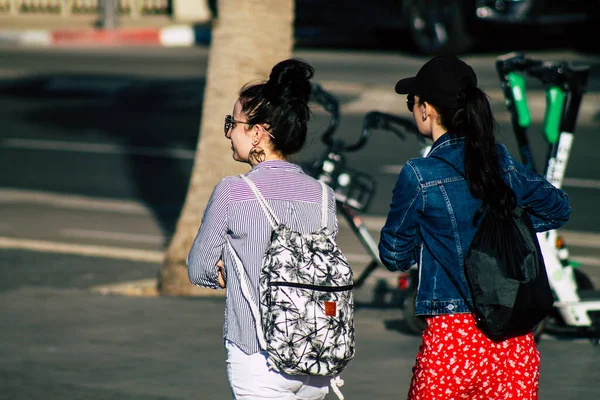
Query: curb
(169,36)
(147,288)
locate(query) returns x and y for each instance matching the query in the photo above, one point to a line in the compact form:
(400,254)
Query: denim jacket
(430,221)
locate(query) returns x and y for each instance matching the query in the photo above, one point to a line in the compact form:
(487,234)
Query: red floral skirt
(457,361)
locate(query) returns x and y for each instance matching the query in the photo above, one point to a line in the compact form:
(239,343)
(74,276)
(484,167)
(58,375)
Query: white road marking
(98,148)
(138,254)
(10,74)
(580,239)
(81,249)
(116,236)
(374,223)
(582,183)
(72,201)
(156,257)
(391,169)
(364,258)
(572,238)
(35,144)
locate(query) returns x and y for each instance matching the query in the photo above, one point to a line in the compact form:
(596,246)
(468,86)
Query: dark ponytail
(281,103)
(474,120)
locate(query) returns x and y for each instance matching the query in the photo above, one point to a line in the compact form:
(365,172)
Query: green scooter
(577,305)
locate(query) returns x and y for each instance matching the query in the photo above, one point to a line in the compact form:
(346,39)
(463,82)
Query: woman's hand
(221,272)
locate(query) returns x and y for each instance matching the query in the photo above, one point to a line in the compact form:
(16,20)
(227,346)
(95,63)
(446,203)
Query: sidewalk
(60,340)
(83,30)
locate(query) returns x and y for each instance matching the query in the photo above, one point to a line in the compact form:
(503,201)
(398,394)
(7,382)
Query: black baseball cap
(439,81)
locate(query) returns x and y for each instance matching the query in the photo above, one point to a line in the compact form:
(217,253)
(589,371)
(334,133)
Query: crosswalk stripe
(81,249)
(99,148)
(374,223)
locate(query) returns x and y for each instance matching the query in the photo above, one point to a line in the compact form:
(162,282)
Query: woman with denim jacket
(431,222)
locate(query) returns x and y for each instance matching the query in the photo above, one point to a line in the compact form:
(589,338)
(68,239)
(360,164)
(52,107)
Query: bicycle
(577,304)
(353,189)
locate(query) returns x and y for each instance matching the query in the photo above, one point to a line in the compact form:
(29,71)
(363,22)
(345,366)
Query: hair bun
(289,78)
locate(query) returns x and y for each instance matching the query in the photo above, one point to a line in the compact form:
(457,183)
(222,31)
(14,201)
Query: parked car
(437,26)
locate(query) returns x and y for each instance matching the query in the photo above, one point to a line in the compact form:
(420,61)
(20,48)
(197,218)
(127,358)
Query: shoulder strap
(248,296)
(272,217)
(273,220)
(324,205)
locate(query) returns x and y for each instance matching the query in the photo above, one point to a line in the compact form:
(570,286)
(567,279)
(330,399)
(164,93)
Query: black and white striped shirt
(234,212)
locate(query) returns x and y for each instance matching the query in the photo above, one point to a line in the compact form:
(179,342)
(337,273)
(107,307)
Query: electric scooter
(353,189)
(577,305)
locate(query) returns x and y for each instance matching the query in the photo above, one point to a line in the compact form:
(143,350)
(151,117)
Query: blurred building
(37,12)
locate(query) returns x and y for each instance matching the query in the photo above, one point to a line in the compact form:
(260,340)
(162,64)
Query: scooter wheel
(414,323)
(539,329)
(583,280)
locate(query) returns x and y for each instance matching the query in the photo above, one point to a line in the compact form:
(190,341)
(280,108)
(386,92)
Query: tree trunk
(248,39)
(196,11)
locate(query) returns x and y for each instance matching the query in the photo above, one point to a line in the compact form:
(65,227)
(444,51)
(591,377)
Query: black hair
(281,103)
(473,119)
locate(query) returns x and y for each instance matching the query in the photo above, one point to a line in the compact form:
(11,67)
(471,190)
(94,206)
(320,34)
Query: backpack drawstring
(336,384)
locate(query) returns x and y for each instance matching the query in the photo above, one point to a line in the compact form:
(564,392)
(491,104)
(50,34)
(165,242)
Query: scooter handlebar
(331,104)
(515,61)
(401,126)
(559,73)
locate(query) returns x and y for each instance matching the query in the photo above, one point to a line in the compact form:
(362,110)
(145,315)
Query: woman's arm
(207,249)
(399,234)
(547,205)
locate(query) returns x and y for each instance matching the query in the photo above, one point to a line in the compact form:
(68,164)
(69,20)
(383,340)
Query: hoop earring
(256,155)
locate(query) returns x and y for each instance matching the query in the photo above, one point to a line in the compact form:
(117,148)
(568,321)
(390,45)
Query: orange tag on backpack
(330,308)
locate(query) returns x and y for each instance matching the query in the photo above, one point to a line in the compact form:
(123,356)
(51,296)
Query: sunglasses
(229,122)
(410,102)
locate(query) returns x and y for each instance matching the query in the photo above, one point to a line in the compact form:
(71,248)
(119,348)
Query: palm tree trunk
(248,39)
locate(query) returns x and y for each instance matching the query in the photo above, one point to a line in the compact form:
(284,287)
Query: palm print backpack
(305,316)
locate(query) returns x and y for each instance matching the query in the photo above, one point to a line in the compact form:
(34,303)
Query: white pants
(250,378)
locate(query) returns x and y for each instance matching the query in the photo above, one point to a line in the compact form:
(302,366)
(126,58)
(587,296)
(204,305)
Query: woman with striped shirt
(269,123)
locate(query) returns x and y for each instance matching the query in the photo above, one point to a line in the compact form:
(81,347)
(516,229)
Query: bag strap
(248,296)
(272,217)
(273,220)
(324,205)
